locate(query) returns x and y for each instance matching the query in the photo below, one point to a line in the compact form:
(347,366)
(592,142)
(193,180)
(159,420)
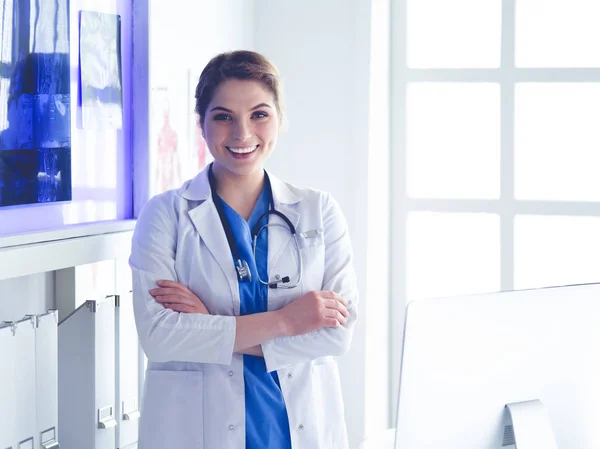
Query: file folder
(46,379)
(127,371)
(8,381)
(24,367)
(86,375)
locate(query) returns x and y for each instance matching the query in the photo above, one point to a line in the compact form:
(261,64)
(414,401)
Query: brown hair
(240,65)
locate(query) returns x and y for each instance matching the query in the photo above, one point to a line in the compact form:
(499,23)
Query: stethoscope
(241,266)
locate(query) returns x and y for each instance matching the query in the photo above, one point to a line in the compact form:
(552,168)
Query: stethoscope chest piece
(243,270)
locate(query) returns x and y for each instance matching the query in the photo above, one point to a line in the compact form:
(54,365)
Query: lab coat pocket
(313,268)
(330,409)
(310,238)
(172,410)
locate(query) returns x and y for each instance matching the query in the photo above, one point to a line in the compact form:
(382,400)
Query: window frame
(507,207)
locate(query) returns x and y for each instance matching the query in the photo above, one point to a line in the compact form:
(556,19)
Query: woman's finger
(172,284)
(329,294)
(332,322)
(335,314)
(335,304)
(167,291)
(183,308)
(175,299)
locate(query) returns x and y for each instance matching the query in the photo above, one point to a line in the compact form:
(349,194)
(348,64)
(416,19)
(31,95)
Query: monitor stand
(528,426)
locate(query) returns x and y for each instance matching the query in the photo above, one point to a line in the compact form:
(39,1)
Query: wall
(26,295)
(322,50)
(379,402)
(179,47)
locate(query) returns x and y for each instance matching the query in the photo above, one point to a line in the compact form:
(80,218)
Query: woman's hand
(176,296)
(313,311)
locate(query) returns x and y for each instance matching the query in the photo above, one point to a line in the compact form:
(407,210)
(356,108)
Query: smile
(242,150)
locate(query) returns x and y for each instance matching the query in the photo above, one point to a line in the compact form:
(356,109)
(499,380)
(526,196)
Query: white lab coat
(194,388)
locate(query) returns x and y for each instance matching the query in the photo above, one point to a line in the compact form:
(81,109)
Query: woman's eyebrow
(262,105)
(221,108)
(258,106)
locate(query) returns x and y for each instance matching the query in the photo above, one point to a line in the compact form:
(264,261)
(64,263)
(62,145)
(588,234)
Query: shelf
(31,253)
(67,232)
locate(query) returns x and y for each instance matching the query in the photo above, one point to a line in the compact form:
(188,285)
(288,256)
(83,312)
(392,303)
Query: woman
(240,332)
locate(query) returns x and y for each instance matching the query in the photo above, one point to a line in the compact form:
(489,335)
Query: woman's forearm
(252,330)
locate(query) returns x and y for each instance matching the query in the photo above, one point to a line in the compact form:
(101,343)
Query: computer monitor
(465,358)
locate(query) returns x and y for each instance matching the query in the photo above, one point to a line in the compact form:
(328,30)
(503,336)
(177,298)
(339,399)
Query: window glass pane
(557,33)
(452,254)
(557,144)
(551,250)
(453,34)
(453,140)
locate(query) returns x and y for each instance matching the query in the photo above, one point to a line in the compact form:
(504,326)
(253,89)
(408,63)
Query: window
(495,148)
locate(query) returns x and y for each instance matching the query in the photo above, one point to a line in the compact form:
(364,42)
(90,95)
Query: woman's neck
(239,191)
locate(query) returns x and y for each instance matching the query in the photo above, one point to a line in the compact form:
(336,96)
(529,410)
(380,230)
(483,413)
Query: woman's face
(241,126)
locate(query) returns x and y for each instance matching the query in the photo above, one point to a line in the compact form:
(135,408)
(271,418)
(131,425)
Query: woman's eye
(221,117)
(260,114)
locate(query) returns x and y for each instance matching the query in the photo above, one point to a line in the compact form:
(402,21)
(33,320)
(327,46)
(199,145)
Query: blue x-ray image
(35,176)
(35,102)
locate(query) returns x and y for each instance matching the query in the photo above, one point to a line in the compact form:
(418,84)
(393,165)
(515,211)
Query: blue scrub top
(267,425)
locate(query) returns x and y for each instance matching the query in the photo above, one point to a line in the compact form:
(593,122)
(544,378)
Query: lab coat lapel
(208,224)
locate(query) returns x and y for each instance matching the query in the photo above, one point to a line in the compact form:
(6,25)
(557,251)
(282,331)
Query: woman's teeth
(243,150)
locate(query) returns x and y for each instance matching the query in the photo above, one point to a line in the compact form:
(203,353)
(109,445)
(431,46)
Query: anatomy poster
(178,151)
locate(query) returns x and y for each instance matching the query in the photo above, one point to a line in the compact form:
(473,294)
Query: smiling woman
(241,126)
(238,99)
(244,286)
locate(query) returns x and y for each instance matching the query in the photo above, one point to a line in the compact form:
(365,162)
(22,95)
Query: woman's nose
(241,131)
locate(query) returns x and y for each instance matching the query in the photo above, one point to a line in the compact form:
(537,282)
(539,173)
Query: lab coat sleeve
(339,276)
(166,335)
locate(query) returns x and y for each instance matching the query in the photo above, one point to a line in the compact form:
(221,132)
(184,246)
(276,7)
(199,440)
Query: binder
(124,284)
(46,379)
(25,405)
(127,372)
(86,375)
(8,381)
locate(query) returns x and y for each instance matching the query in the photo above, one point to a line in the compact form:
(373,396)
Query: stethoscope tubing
(242,268)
